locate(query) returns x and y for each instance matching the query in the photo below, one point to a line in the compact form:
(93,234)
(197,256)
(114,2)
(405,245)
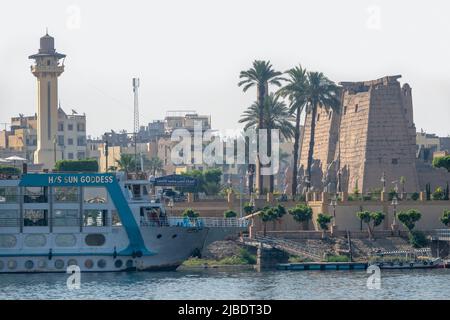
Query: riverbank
(232,254)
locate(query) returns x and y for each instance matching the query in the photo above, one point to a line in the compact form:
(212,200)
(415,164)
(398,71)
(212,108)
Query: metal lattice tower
(136,104)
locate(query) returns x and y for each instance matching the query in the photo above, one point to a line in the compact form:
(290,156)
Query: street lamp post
(383,181)
(333,203)
(241,181)
(54,148)
(394,203)
(171,204)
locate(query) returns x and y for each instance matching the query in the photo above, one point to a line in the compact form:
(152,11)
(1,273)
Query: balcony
(47,69)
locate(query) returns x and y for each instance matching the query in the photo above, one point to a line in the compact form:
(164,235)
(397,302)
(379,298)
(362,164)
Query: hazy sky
(188,53)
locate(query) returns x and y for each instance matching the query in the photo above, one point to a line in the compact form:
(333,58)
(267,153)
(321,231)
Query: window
(35,195)
(9,218)
(70,141)
(394,161)
(95,194)
(65,194)
(356,108)
(65,240)
(70,155)
(35,218)
(35,240)
(81,141)
(48,62)
(65,218)
(115,218)
(95,239)
(60,140)
(345,110)
(318,117)
(7,241)
(329,115)
(95,218)
(70,127)
(60,126)
(81,127)
(81,155)
(8,195)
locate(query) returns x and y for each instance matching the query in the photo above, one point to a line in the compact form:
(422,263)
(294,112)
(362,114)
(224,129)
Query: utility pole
(136,119)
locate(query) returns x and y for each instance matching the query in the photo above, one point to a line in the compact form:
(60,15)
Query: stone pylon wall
(373,133)
(325,143)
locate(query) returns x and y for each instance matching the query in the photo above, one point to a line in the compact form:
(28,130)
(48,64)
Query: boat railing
(441,234)
(209,222)
(55,222)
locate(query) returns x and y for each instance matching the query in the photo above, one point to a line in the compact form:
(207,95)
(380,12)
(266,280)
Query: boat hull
(170,246)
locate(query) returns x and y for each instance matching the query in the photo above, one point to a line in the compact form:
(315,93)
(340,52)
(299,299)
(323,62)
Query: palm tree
(126,162)
(275,116)
(295,91)
(155,165)
(260,76)
(321,93)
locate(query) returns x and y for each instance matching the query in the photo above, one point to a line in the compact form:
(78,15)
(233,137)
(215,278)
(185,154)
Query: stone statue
(330,178)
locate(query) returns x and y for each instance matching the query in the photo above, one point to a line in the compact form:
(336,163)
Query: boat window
(118,263)
(7,241)
(95,239)
(35,218)
(136,189)
(9,218)
(35,240)
(72,262)
(89,264)
(95,218)
(152,216)
(115,218)
(95,194)
(59,264)
(66,194)
(9,195)
(65,218)
(101,263)
(35,194)
(65,240)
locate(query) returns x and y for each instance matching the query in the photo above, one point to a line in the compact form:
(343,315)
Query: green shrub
(409,218)
(230,214)
(9,170)
(445,219)
(87,165)
(442,162)
(392,193)
(247,256)
(323,220)
(418,239)
(301,213)
(338,258)
(415,196)
(248,208)
(190,213)
(438,194)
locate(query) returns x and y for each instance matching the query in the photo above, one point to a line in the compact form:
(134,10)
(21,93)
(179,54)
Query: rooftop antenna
(136,119)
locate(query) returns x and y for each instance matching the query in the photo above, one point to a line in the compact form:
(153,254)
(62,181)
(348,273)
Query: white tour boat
(97,221)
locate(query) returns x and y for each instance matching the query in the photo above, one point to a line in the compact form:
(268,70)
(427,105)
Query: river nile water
(216,284)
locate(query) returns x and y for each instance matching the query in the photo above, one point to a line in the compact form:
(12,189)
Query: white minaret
(47,69)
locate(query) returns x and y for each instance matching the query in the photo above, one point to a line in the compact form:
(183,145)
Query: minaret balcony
(47,69)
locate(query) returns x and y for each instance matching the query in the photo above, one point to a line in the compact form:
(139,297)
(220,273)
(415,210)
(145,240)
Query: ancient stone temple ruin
(372,139)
